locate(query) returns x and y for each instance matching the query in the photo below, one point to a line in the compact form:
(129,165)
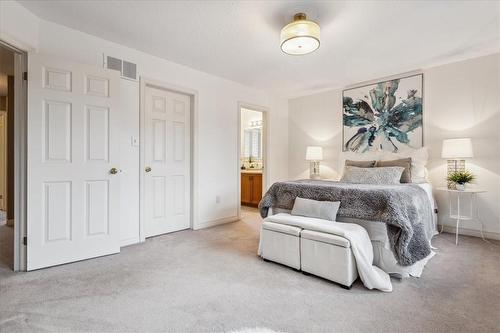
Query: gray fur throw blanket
(404,208)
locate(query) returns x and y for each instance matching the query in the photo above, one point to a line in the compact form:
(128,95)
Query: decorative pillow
(349,155)
(360,164)
(403,162)
(326,210)
(419,158)
(380,176)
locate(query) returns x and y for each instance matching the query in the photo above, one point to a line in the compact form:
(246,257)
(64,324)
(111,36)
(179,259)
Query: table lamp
(314,154)
(456,151)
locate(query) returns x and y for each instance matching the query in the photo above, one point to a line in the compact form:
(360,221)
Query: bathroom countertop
(253,171)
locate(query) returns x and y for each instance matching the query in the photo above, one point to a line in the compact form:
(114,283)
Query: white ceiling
(239,40)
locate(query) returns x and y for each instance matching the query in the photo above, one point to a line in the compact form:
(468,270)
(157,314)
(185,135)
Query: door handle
(114,171)
(148,169)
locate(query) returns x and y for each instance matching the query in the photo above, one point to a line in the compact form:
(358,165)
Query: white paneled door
(167,161)
(73,170)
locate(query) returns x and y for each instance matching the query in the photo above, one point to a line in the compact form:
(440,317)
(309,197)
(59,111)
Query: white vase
(460,187)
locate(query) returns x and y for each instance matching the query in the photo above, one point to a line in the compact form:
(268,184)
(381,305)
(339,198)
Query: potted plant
(460,178)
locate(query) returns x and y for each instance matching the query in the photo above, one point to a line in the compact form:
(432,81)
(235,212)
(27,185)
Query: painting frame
(375,83)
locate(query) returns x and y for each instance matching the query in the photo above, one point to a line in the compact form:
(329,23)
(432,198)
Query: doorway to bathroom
(252,156)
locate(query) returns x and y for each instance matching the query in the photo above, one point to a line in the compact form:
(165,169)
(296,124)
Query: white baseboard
(213,223)
(469,232)
(207,224)
(129,241)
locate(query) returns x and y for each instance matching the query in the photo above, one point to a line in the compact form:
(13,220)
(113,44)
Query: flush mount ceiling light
(300,36)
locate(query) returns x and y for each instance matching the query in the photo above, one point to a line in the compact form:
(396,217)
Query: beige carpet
(212,281)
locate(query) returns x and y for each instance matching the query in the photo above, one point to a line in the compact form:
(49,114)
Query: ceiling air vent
(113,63)
(127,69)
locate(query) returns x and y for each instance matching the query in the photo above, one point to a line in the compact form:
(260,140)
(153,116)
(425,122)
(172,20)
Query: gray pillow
(326,210)
(403,162)
(360,164)
(383,175)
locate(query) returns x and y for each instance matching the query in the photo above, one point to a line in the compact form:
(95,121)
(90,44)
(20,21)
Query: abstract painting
(383,116)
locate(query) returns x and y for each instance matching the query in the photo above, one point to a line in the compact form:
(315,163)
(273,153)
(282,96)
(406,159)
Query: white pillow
(379,176)
(326,210)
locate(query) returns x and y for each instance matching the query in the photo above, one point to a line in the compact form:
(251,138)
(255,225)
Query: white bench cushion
(283,228)
(314,224)
(325,238)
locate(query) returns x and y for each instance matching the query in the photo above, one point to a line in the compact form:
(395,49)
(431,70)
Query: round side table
(473,209)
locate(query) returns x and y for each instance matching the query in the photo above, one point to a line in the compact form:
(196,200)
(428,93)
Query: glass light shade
(300,36)
(457,148)
(314,153)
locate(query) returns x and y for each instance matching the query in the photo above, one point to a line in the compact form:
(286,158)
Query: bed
(384,256)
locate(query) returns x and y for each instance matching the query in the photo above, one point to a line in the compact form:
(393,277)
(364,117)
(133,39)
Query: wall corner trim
(213,223)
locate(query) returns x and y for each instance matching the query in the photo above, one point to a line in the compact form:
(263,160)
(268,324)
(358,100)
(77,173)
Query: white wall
(315,121)
(463,100)
(460,100)
(217,110)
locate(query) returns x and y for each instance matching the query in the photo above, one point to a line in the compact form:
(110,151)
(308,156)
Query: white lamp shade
(457,148)
(314,153)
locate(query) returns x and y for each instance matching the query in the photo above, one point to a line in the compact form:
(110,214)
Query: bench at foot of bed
(322,254)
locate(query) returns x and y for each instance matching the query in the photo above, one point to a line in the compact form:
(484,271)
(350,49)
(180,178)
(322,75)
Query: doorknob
(114,171)
(148,169)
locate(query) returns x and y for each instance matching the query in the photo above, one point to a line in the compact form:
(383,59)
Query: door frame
(193,95)
(20,155)
(265,150)
(3,140)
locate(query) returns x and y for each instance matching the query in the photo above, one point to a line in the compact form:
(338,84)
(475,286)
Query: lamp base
(454,165)
(315,177)
(314,170)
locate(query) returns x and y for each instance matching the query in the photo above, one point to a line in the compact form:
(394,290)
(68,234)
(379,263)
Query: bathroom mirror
(252,143)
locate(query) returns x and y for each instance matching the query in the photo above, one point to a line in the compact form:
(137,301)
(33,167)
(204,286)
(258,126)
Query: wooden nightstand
(474,211)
